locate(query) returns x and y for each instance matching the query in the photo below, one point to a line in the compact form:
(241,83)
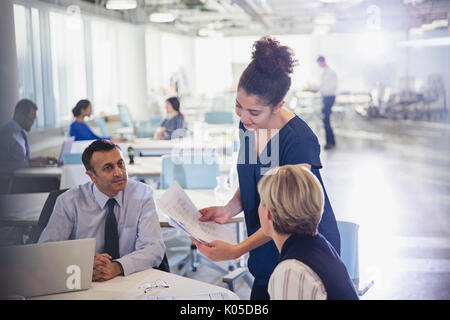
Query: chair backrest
(164,266)
(101,124)
(218,117)
(349,247)
(72,158)
(189,175)
(46,212)
(126,119)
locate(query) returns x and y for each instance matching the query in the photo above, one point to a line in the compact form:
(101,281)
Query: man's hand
(104,269)
(39,161)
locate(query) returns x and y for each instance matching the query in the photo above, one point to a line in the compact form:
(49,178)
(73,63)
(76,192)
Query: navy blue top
(81,131)
(318,254)
(295,143)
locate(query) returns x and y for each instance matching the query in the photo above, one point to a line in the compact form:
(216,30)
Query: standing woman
(174,121)
(79,129)
(267,130)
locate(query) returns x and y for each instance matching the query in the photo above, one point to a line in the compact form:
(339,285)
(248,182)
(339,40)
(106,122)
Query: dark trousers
(326,113)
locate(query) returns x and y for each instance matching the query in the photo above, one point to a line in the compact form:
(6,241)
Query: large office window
(68,64)
(104,66)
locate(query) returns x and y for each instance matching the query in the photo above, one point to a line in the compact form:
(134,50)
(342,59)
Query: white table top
(127,288)
(23,209)
(142,167)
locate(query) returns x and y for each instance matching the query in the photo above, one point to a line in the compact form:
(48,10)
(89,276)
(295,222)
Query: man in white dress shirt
(328,89)
(119,213)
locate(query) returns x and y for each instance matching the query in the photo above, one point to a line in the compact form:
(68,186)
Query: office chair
(349,253)
(218,117)
(126,119)
(72,158)
(44,217)
(101,124)
(189,175)
(47,211)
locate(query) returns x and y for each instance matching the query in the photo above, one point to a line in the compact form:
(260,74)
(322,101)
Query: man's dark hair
(97,145)
(321,59)
(24,106)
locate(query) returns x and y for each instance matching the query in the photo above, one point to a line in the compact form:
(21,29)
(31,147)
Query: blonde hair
(294,197)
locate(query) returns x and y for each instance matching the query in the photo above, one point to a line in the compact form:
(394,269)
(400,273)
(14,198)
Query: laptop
(65,149)
(46,268)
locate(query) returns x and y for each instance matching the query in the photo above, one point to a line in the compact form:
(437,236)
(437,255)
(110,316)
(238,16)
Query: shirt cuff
(127,265)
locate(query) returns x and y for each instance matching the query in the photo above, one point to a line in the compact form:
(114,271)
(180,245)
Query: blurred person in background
(328,89)
(174,121)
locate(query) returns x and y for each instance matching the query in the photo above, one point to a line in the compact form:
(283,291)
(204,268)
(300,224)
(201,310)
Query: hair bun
(273,59)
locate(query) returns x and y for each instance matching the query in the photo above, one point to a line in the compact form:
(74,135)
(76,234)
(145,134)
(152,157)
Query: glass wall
(64,56)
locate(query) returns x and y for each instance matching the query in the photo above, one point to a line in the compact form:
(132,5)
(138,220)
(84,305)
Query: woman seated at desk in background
(79,129)
(174,121)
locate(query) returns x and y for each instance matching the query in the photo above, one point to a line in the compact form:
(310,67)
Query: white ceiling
(248,17)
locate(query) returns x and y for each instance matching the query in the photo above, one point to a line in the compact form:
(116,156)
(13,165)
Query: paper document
(183,215)
(206,296)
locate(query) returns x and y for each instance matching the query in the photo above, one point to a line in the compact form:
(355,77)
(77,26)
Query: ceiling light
(321,30)
(433,42)
(121,4)
(415,31)
(327,19)
(442,23)
(206,32)
(161,17)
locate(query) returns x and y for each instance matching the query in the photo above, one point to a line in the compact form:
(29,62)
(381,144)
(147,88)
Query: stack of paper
(183,214)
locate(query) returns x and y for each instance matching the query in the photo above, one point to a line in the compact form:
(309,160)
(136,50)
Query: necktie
(27,147)
(111,233)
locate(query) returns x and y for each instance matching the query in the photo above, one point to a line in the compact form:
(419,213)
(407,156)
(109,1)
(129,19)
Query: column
(9,79)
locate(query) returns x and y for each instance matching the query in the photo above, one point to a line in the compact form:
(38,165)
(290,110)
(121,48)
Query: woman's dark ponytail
(81,105)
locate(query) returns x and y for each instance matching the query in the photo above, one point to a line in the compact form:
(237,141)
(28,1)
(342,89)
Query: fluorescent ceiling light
(206,32)
(327,19)
(121,4)
(433,42)
(161,17)
(415,31)
(320,30)
(441,23)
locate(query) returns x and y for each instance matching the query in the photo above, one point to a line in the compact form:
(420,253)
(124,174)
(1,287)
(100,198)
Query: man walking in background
(328,88)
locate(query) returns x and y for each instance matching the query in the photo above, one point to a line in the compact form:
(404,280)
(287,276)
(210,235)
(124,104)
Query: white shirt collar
(102,198)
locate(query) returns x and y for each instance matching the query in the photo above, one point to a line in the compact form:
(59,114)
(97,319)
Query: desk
(23,209)
(153,147)
(142,167)
(127,288)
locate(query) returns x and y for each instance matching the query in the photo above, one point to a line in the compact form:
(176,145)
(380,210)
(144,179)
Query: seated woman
(174,121)
(79,129)
(290,210)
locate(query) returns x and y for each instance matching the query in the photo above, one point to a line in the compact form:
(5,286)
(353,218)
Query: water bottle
(222,191)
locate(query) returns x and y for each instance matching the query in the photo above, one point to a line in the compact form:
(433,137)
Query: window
(104,66)
(68,64)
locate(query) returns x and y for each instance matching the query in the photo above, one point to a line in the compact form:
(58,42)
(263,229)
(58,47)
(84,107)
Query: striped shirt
(294,280)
